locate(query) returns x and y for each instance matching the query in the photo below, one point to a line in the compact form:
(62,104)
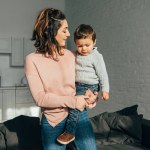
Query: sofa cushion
(131,110)
(118,127)
(2,141)
(146,132)
(124,129)
(122,147)
(22,133)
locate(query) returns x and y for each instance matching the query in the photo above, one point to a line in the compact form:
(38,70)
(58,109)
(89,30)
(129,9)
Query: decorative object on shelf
(5,44)
(17,54)
(0,81)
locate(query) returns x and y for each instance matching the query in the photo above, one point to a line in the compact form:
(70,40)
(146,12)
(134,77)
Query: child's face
(85,46)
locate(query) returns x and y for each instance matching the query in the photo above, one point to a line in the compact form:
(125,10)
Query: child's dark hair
(83,31)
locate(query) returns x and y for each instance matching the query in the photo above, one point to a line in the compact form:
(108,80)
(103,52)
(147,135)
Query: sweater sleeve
(101,71)
(42,98)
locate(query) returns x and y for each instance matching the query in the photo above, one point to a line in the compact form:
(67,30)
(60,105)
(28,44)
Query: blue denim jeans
(73,116)
(85,139)
(49,135)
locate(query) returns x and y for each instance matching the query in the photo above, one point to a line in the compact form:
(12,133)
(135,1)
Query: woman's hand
(81,102)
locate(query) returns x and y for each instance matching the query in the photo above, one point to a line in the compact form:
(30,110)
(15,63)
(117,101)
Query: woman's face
(62,33)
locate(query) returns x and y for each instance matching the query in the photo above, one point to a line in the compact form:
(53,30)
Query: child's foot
(65,138)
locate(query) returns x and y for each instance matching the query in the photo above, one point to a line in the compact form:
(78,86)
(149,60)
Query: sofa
(124,129)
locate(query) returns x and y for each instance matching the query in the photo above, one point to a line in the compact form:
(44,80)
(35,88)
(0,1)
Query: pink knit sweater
(52,84)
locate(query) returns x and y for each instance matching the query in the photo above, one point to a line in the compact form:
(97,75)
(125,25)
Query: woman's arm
(41,97)
(49,99)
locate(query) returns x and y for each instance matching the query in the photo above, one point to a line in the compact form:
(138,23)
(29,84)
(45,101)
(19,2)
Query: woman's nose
(68,33)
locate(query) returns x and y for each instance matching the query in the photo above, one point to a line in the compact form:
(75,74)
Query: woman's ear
(94,42)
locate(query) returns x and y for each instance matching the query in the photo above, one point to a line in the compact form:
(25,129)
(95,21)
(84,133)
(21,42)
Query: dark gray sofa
(121,130)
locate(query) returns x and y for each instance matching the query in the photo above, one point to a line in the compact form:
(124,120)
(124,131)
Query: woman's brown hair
(45,29)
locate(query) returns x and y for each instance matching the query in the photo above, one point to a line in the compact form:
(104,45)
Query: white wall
(123,37)
(17,19)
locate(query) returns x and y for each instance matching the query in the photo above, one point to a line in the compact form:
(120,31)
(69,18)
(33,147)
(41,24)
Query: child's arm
(104,96)
(101,71)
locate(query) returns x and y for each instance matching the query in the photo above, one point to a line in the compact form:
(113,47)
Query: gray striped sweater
(91,69)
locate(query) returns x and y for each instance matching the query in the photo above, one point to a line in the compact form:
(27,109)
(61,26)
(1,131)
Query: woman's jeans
(85,139)
(73,116)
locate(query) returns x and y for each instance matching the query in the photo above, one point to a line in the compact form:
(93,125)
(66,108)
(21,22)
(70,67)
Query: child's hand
(92,96)
(90,106)
(105,95)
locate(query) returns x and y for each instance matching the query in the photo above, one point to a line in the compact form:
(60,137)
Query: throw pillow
(131,110)
(123,129)
(24,133)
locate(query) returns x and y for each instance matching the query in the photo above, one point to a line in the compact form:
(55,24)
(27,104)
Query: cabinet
(5,44)
(20,48)
(17,101)
(8,104)
(17,52)
(1,104)
(17,47)
(25,104)
(28,46)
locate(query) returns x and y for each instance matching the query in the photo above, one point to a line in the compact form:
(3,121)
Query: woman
(50,72)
